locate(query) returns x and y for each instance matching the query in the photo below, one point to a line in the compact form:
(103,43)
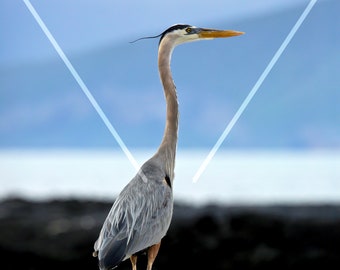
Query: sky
(81,25)
(84,27)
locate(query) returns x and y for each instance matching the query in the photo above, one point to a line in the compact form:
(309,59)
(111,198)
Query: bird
(142,212)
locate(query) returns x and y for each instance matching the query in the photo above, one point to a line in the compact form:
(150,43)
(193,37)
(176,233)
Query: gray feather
(138,219)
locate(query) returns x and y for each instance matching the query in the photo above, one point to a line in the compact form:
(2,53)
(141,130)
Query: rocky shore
(59,234)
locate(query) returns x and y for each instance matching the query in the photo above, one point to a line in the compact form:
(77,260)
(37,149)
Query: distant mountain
(41,105)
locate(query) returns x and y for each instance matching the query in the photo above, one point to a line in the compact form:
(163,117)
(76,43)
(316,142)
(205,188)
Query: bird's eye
(188,30)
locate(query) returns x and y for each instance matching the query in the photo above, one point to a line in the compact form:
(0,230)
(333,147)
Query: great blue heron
(142,212)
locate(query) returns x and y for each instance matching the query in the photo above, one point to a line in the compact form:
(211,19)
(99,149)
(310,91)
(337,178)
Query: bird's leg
(133,260)
(152,253)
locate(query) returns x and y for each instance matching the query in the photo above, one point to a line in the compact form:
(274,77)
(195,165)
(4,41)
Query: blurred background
(284,150)
(52,139)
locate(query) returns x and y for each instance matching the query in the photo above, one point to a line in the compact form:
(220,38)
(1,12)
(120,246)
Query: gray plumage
(141,214)
(139,218)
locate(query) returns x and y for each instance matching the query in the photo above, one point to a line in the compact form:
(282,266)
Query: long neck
(167,149)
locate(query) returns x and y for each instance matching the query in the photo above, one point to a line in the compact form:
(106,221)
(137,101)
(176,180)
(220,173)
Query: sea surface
(232,177)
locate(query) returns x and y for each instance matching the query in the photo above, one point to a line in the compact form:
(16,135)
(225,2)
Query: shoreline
(59,233)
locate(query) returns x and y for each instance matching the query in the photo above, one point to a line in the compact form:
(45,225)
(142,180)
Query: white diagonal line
(81,84)
(253,90)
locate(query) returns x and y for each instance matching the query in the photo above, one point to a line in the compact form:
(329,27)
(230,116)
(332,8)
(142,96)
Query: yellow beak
(213,33)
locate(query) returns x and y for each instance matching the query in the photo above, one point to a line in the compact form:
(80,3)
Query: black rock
(59,234)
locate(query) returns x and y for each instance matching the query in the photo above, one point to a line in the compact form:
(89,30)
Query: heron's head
(182,33)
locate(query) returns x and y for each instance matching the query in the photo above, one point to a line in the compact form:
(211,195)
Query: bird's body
(133,223)
(142,212)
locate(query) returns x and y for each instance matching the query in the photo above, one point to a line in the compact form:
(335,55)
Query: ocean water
(232,177)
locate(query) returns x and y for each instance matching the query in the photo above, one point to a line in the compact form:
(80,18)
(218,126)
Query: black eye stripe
(173,28)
